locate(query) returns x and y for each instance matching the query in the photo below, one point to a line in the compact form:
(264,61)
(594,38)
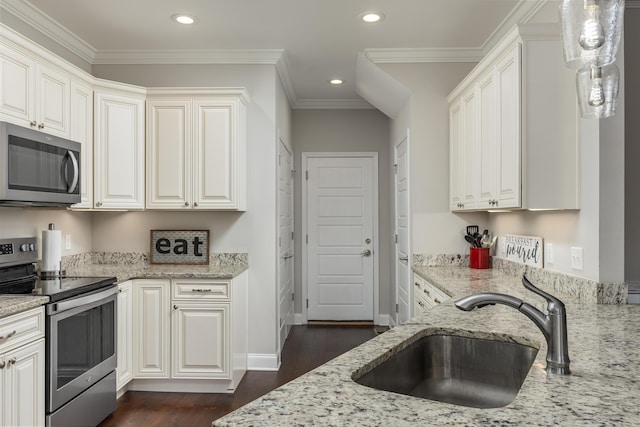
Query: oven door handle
(92,298)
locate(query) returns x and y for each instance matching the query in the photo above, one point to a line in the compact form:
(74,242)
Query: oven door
(81,344)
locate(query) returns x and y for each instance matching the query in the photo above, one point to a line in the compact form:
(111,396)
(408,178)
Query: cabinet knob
(98,204)
(186,203)
(41,126)
(2,364)
(12,361)
(195,204)
(33,123)
(175,307)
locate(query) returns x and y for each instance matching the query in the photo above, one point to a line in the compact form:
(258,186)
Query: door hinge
(292,235)
(307,239)
(396,308)
(293,297)
(306,175)
(279,241)
(307,302)
(396,237)
(293,172)
(395,168)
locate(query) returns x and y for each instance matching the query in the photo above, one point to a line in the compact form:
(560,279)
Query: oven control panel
(18,250)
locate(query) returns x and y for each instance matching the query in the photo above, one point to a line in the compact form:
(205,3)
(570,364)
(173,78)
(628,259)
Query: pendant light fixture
(591,31)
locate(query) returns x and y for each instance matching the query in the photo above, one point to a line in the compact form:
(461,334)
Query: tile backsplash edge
(584,289)
(128,258)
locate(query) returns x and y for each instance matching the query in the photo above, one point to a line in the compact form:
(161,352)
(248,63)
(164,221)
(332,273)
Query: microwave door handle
(74,182)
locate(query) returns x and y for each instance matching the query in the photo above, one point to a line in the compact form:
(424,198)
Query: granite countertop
(124,272)
(12,304)
(602,390)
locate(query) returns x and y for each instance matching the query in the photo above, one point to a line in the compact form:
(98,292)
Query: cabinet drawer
(21,328)
(191,289)
(427,293)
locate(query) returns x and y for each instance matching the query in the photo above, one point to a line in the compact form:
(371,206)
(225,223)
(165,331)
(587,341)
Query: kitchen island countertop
(602,390)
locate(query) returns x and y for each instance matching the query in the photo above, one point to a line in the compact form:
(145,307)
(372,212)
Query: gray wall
(632,145)
(345,131)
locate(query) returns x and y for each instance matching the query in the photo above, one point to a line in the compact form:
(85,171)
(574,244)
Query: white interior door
(341,215)
(403,265)
(285,241)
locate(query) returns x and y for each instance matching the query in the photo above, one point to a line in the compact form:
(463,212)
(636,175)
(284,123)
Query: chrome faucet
(553,325)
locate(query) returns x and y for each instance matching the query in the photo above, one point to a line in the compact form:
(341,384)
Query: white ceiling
(315,40)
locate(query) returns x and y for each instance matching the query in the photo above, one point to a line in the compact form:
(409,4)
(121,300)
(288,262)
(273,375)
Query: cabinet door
(151,329)
(487,163)
(82,132)
(168,154)
(455,164)
(200,336)
(17,98)
(53,90)
(469,146)
(508,137)
(218,153)
(125,334)
(24,385)
(119,151)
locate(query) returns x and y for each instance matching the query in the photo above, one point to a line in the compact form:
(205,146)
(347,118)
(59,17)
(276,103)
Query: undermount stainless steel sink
(473,372)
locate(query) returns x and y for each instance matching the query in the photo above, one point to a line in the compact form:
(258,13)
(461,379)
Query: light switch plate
(577,262)
(67,242)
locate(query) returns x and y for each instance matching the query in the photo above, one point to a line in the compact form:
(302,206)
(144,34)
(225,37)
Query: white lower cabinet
(22,380)
(124,368)
(425,295)
(189,335)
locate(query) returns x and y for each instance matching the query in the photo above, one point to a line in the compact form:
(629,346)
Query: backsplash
(584,290)
(129,258)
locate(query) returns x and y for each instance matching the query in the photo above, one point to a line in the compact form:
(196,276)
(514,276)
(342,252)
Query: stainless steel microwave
(37,169)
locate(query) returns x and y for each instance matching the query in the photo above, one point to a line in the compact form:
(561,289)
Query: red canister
(479,258)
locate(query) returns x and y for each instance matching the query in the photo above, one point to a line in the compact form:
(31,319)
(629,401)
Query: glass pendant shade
(598,91)
(591,31)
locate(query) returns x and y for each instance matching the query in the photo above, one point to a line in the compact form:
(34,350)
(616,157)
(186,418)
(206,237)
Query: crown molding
(37,19)
(284,72)
(186,56)
(332,104)
(409,55)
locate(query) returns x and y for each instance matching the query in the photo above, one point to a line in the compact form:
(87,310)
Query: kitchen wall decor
(179,247)
(522,249)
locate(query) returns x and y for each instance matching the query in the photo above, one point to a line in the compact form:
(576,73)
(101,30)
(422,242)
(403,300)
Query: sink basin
(479,373)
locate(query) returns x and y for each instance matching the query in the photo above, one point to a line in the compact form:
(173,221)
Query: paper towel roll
(51,250)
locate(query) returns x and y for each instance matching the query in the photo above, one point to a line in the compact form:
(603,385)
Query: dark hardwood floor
(306,348)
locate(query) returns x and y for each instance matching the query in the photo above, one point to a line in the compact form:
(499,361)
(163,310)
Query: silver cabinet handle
(9,335)
(417,284)
(404,258)
(287,256)
(366,252)
(201,290)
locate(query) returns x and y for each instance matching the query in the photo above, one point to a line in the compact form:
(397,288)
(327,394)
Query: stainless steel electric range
(80,335)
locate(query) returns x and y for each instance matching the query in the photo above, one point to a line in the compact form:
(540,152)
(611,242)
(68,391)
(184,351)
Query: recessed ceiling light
(372,17)
(336,82)
(184,19)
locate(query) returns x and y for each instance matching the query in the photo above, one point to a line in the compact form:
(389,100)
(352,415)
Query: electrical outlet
(577,262)
(548,253)
(67,242)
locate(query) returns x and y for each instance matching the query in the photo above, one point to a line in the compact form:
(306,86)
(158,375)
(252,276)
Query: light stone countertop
(12,304)
(604,388)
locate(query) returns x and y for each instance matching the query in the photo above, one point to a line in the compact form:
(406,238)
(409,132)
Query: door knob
(366,252)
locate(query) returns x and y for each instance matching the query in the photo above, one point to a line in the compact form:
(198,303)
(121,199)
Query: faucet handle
(551,300)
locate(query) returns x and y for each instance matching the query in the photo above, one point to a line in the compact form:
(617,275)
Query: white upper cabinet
(196,149)
(82,132)
(33,94)
(513,131)
(118,147)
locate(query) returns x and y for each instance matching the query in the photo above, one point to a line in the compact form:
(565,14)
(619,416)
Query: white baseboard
(383,319)
(262,362)
(298,319)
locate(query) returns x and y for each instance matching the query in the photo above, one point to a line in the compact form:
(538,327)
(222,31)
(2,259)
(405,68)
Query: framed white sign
(522,249)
